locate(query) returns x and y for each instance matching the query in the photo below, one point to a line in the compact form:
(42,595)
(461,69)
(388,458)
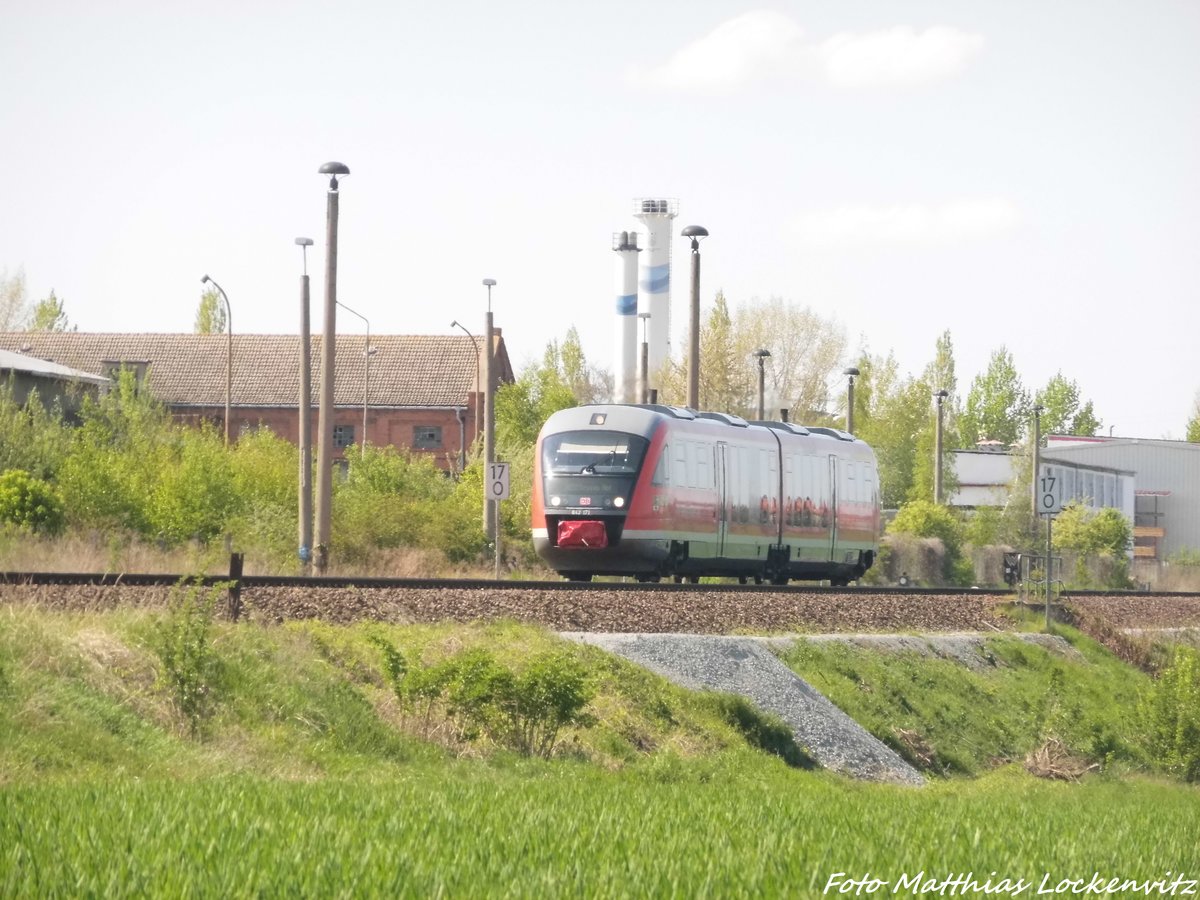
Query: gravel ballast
(742,665)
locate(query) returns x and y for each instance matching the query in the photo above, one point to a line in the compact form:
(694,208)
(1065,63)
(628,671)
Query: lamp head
(304,242)
(333,170)
(695,232)
(204,280)
(850,370)
(762,354)
(489,282)
(941,395)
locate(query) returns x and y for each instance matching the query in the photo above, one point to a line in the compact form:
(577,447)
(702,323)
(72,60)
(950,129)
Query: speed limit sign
(497,483)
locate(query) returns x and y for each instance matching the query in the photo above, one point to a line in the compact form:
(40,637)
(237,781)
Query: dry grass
(1053,760)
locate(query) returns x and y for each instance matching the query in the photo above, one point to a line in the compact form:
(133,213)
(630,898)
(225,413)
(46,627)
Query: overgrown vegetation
(128,472)
(947,718)
(1170,715)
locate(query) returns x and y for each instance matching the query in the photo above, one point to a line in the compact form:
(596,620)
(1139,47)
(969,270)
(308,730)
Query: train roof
(643,418)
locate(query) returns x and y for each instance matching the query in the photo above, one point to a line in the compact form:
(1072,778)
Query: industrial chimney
(625,245)
(654,286)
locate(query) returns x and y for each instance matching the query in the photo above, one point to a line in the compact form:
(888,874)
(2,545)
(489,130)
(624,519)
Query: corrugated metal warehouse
(1167,486)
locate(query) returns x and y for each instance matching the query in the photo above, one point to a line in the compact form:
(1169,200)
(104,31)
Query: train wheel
(648,579)
(579,576)
(779,580)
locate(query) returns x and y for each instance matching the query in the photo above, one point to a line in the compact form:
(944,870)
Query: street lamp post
(940,396)
(368,352)
(850,372)
(478,379)
(1033,478)
(762,355)
(695,232)
(490,509)
(228,352)
(305,401)
(643,390)
(328,354)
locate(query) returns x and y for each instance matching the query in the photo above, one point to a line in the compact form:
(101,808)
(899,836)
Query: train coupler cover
(583,533)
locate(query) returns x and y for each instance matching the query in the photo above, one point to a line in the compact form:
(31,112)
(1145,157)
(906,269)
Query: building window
(343,436)
(427,437)
(112,369)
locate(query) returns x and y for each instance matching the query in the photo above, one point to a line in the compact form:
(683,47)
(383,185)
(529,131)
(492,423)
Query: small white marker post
(1049,503)
(497,489)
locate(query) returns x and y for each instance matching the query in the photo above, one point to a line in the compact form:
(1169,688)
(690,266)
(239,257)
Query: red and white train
(657,492)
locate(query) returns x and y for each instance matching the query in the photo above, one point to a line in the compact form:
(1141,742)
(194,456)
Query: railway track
(593,606)
(144,579)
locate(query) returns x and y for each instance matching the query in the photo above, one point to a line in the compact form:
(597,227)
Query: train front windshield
(591,469)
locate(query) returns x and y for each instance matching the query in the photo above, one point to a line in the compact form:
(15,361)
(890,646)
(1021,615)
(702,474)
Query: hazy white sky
(1021,173)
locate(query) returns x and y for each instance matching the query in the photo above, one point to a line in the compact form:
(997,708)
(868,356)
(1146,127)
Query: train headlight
(618,502)
(556,501)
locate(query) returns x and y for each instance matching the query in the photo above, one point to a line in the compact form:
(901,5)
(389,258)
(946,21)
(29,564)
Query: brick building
(420,392)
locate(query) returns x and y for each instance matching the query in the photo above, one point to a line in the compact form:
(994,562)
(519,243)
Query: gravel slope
(744,666)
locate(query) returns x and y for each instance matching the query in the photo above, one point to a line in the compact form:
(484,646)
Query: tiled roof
(189,369)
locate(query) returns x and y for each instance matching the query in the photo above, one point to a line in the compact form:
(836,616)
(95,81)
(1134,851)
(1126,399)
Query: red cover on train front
(582,533)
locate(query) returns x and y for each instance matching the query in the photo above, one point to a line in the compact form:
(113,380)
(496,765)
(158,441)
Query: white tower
(655,282)
(625,245)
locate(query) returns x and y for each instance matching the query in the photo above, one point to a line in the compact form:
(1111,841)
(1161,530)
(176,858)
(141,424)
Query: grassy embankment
(304,772)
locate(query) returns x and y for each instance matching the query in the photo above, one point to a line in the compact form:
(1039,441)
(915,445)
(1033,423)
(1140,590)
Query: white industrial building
(1166,501)
(985,478)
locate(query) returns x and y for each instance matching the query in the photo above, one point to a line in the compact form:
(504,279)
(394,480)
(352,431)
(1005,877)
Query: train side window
(679,465)
(662,471)
(703,457)
(851,484)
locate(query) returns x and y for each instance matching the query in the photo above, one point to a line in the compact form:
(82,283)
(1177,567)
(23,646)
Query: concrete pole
(1036,463)
(489,423)
(643,382)
(305,442)
(328,357)
(761,387)
(940,396)
(693,400)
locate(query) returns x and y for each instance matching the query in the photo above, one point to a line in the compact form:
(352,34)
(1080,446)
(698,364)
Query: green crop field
(152,754)
(731,826)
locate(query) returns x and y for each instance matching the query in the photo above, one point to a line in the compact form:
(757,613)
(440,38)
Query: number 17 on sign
(1049,494)
(497,482)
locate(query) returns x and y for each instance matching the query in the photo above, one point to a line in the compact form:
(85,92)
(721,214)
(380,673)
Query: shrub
(550,693)
(30,503)
(183,642)
(925,519)
(1105,533)
(1170,714)
(524,710)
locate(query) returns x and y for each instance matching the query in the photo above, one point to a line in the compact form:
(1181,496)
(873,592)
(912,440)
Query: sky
(1023,174)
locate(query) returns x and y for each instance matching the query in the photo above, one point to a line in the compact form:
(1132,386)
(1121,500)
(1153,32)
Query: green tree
(1193,425)
(210,314)
(14,307)
(1063,413)
(998,406)
(588,383)
(806,351)
(523,406)
(48,315)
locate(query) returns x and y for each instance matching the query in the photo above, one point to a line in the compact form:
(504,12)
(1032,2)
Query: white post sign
(497,484)
(1049,493)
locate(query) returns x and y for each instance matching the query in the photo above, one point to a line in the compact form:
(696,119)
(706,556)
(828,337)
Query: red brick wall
(385,426)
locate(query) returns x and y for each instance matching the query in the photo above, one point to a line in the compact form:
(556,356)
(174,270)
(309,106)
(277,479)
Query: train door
(833,505)
(720,476)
